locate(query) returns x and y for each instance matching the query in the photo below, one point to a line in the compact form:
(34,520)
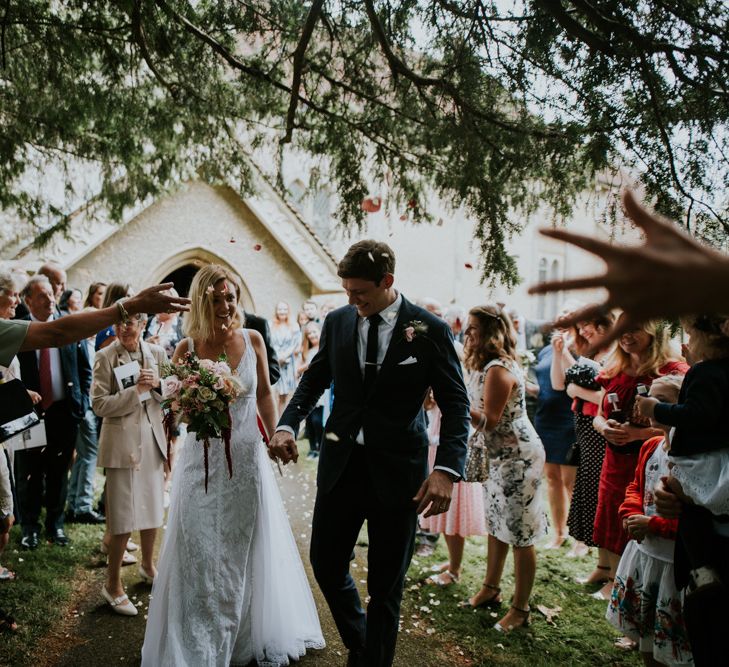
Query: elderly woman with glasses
(132,448)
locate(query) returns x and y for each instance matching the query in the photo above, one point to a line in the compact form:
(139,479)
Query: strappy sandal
(599,595)
(494,601)
(523,614)
(437,579)
(7,622)
(601,580)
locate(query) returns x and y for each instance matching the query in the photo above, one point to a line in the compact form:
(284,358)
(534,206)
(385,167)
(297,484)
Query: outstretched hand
(155,300)
(639,278)
(435,491)
(283,447)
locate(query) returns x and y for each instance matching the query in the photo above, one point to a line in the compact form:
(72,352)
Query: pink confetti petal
(468,265)
(257,247)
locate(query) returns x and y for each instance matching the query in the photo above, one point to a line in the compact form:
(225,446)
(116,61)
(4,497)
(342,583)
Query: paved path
(94,636)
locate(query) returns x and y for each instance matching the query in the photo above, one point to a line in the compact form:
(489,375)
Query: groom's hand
(283,446)
(436,492)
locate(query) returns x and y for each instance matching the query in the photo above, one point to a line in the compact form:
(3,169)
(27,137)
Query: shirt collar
(389,314)
(35,319)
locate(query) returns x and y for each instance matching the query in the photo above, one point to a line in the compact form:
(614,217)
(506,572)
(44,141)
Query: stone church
(287,249)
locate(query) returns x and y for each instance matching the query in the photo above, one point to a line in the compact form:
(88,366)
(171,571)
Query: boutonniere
(413,329)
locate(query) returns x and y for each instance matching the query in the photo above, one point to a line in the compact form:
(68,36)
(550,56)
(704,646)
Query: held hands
(615,432)
(637,526)
(283,447)
(435,491)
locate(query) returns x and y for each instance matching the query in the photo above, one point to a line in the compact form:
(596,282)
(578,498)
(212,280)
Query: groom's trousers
(338,517)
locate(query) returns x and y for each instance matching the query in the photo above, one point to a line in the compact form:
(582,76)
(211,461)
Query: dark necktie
(370,372)
(44,375)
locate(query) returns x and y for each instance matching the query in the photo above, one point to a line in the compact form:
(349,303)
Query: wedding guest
(455,317)
(133,449)
(577,376)
(165,330)
(56,276)
(315,419)
(62,376)
(311,310)
(80,505)
(554,425)
(113,293)
(95,296)
(642,354)
(699,459)
(645,604)
(7,518)
(71,301)
(514,512)
(466,515)
(286,339)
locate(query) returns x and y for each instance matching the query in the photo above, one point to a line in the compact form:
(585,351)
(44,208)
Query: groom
(383,354)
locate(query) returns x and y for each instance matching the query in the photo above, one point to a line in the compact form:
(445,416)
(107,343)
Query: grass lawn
(578,634)
(46,579)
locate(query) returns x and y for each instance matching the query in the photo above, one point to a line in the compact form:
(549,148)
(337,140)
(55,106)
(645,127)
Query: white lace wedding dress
(231,587)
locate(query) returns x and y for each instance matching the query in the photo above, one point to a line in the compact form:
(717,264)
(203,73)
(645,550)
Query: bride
(230,588)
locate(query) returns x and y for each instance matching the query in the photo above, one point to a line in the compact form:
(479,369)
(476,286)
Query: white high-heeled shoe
(120,605)
(146,578)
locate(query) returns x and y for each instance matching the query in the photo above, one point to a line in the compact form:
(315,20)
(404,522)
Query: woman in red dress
(642,354)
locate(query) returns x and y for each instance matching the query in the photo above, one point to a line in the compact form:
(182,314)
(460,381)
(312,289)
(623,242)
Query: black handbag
(583,375)
(16,410)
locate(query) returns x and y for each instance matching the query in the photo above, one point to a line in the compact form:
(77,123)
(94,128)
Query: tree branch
(141,40)
(298,64)
(397,66)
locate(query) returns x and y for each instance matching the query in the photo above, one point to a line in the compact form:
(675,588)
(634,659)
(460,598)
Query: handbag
(16,410)
(572,458)
(477,458)
(582,375)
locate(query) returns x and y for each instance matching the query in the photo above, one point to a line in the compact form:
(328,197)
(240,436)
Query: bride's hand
(283,447)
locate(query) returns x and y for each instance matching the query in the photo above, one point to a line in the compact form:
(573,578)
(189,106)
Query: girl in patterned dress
(286,342)
(645,604)
(514,510)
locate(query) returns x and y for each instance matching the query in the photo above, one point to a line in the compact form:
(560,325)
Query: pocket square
(409,360)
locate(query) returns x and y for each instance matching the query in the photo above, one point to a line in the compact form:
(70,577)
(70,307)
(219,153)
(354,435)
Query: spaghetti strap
(190,344)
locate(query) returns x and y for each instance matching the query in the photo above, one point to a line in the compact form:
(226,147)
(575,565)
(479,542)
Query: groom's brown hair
(367,260)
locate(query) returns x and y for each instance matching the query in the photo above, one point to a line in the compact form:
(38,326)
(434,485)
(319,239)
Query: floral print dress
(514,506)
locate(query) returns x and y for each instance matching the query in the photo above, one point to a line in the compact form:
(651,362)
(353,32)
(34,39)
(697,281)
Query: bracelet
(123,314)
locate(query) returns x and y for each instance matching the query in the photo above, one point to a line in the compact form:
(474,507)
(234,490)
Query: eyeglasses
(132,321)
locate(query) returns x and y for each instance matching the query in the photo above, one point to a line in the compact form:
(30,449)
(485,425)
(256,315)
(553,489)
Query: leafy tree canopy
(493,106)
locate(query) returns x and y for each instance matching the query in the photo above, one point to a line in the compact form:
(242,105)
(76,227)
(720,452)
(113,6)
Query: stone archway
(182,267)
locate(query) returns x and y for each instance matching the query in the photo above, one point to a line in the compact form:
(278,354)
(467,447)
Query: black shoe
(90,517)
(30,540)
(70,517)
(355,659)
(58,537)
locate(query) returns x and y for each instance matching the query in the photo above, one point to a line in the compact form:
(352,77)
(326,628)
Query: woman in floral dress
(514,509)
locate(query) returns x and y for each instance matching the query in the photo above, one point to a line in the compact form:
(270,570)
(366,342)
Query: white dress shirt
(59,390)
(384,338)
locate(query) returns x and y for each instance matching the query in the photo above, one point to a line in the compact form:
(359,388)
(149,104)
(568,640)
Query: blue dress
(553,421)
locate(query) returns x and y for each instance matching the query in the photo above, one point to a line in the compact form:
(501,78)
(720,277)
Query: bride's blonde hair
(199,321)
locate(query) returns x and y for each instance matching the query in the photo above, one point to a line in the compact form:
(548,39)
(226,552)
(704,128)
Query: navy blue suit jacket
(392,413)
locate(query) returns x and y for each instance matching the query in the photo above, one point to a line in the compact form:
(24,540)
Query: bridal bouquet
(199,393)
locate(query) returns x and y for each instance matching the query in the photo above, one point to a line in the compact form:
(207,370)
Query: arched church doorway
(181,268)
(182,277)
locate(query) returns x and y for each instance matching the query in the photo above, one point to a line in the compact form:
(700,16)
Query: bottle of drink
(616,412)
